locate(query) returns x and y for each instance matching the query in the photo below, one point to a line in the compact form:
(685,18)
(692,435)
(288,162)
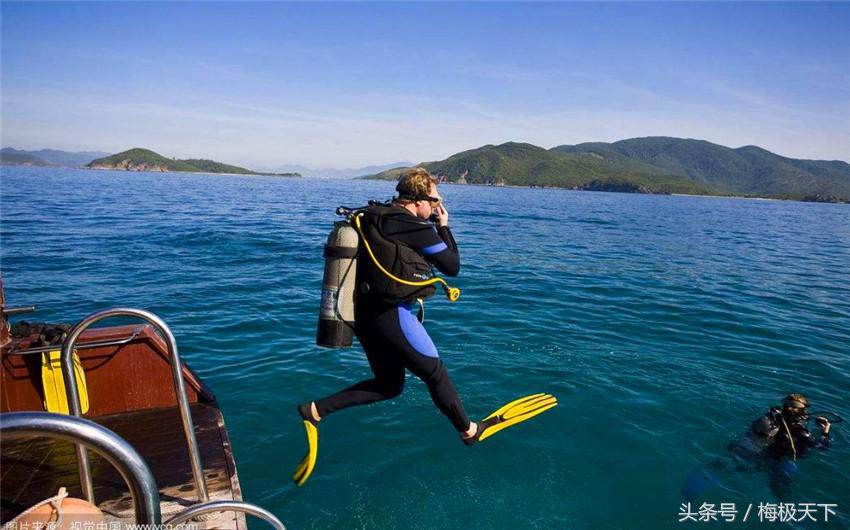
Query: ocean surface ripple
(664,324)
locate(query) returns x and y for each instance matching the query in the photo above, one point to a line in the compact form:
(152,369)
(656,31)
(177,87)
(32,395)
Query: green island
(661,165)
(139,159)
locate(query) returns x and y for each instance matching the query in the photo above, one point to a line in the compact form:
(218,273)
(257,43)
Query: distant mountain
(371,170)
(139,159)
(332,173)
(746,170)
(523,164)
(20,159)
(648,165)
(58,158)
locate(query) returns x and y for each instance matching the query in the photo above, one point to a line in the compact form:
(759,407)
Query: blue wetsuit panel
(415,333)
(433,249)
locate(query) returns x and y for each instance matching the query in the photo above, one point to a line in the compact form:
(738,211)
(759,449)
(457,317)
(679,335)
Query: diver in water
(783,435)
(405,238)
(785,430)
(773,443)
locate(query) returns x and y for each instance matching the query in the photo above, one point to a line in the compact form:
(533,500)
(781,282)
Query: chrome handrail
(75,408)
(123,457)
(224,506)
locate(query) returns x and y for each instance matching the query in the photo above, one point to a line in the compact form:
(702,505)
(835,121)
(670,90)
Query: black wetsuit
(771,429)
(780,445)
(390,333)
(784,440)
(766,446)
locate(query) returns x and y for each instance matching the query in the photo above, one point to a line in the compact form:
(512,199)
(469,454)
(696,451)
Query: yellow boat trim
(53,383)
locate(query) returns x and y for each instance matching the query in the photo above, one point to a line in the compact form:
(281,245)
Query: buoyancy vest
(398,258)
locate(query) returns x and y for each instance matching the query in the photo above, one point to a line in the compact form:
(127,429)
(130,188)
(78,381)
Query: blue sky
(353,84)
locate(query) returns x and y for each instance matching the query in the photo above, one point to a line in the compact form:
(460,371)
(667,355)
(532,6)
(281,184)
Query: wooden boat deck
(35,469)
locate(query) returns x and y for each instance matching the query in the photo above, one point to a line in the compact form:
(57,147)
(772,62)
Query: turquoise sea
(664,325)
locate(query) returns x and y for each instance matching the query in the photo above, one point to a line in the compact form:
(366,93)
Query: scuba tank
(336,312)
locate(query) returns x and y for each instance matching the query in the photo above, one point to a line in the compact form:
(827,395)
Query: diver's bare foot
(471,431)
(309,412)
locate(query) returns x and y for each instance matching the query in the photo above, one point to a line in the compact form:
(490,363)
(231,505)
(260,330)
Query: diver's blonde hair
(790,399)
(415,182)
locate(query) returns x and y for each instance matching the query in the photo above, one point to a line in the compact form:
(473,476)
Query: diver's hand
(442,215)
(823,423)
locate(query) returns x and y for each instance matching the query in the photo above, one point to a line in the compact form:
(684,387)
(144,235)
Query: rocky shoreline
(128,165)
(634,188)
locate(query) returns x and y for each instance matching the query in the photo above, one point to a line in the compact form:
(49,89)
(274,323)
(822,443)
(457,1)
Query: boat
(143,404)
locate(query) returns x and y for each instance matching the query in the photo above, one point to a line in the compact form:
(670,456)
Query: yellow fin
(305,467)
(55,399)
(514,403)
(515,412)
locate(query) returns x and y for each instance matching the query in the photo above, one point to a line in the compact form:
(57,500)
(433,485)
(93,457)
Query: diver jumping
(399,244)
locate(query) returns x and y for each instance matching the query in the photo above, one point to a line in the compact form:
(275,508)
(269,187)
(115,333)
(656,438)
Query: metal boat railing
(124,458)
(84,346)
(224,506)
(82,432)
(75,407)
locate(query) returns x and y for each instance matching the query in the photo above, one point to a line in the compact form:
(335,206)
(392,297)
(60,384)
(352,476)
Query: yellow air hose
(790,439)
(452,293)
